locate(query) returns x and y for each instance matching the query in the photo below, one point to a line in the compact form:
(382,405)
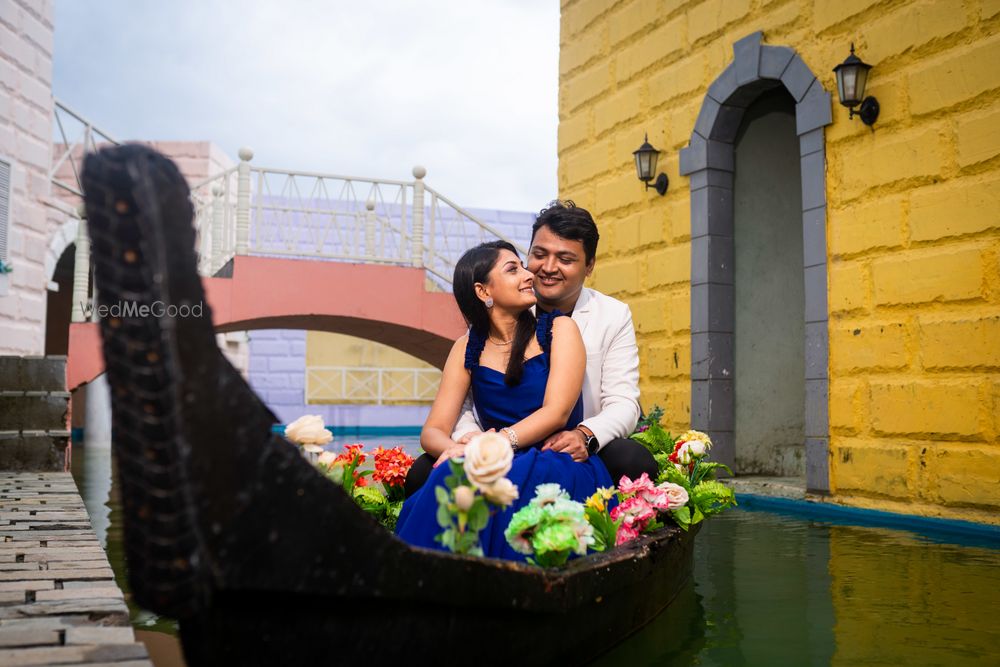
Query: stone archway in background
(709,162)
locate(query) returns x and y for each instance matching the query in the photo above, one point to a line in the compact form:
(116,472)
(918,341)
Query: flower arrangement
(476,488)
(682,461)
(550,528)
(640,501)
(391,466)
(344,468)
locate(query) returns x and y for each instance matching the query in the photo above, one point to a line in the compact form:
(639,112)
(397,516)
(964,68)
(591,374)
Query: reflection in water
(777,590)
(768,589)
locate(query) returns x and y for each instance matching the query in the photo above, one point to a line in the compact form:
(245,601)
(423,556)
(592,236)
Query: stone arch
(64,236)
(708,160)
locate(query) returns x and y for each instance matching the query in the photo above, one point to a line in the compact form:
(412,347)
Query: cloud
(467,89)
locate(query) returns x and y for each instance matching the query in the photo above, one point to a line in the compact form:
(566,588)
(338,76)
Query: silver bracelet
(512,436)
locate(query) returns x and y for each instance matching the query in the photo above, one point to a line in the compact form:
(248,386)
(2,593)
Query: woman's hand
(464,440)
(451,453)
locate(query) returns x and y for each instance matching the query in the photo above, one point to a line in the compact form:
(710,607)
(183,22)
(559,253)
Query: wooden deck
(59,603)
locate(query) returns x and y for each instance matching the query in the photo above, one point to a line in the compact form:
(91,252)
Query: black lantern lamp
(852,76)
(645,166)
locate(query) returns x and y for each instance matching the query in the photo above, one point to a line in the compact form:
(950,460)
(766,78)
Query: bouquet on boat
(384,502)
(683,462)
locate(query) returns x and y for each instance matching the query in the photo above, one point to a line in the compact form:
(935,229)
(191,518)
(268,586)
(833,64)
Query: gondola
(262,560)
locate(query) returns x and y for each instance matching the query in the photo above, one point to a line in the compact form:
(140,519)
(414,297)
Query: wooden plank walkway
(59,603)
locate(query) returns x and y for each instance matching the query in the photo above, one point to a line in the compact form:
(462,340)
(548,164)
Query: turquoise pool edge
(965,531)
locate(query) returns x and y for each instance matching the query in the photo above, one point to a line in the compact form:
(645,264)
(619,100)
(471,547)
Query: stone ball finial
(81,211)
(245,153)
(370,204)
(419,172)
(217,190)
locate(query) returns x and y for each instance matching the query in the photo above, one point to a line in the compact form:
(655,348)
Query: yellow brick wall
(913,228)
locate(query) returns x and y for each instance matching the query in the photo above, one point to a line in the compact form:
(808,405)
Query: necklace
(502,344)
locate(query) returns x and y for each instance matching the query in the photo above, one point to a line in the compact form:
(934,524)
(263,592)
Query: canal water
(768,589)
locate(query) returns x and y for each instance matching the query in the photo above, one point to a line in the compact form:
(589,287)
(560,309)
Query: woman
(525,376)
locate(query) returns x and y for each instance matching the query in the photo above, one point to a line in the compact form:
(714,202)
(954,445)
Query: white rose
(327,458)
(698,448)
(502,492)
(677,497)
(684,454)
(308,430)
(464,497)
(488,457)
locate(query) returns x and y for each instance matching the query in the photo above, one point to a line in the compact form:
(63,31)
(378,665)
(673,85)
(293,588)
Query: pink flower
(674,494)
(625,485)
(656,497)
(634,512)
(625,534)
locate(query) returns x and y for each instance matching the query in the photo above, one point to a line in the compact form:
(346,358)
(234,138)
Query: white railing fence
(371,385)
(282,213)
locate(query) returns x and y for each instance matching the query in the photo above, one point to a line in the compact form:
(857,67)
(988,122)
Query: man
(562,254)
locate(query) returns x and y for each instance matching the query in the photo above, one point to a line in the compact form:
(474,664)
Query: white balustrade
(371,385)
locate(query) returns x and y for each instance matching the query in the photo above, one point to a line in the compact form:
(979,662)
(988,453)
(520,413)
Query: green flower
(521,527)
(554,537)
(548,493)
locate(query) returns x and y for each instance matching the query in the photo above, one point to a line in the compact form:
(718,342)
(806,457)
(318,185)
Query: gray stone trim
(708,161)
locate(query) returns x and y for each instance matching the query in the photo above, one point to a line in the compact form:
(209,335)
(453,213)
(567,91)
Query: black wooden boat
(261,559)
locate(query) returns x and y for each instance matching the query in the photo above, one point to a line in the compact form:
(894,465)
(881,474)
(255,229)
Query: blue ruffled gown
(499,405)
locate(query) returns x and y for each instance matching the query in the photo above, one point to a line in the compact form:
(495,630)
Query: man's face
(560,267)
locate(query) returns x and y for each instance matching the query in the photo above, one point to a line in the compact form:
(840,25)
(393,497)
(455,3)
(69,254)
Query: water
(768,589)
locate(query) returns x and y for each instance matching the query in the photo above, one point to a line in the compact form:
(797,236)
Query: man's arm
(619,387)
(467,422)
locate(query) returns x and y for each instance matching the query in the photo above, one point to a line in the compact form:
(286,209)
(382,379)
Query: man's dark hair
(567,220)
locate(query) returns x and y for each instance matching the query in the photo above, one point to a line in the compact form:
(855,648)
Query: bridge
(371,258)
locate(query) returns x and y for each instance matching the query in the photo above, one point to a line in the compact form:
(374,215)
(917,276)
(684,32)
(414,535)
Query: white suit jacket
(611,381)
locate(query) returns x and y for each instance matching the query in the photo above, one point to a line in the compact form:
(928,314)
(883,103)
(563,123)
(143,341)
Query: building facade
(821,295)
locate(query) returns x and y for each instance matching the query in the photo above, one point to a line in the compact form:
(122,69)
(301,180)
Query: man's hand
(452,452)
(464,440)
(571,442)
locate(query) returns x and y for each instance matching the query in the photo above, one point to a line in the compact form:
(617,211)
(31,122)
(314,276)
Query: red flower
(350,451)
(391,466)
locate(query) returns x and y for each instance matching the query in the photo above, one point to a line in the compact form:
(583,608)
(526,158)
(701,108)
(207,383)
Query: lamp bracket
(660,184)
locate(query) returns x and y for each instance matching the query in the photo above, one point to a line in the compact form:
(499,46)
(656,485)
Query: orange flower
(391,466)
(350,451)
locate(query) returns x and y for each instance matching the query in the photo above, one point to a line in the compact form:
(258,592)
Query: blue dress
(499,405)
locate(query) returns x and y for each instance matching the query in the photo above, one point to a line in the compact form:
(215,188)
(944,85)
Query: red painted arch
(387,304)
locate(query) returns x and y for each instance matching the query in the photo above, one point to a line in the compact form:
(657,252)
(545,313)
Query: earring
(489,302)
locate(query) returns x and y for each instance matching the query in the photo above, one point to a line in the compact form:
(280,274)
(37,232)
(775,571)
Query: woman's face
(509,283)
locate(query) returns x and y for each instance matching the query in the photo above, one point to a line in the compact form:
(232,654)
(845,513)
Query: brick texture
(912,230)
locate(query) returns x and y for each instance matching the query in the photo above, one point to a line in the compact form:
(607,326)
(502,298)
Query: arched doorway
(768,293)
(59,303)
(710,162)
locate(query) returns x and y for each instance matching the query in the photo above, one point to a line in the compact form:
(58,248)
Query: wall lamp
(645,167)
(852,76)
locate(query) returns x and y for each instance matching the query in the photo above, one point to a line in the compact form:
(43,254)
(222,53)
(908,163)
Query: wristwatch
(590,441)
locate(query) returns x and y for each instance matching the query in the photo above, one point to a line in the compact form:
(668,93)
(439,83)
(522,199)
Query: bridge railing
(371,385)
(283,213)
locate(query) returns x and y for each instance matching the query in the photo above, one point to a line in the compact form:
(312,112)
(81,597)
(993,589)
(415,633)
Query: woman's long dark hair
(474,267)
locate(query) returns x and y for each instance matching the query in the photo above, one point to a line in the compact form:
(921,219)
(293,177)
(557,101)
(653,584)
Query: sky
(466,88)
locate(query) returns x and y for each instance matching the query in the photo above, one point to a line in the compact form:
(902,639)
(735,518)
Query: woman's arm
(455,380)
(567,363)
